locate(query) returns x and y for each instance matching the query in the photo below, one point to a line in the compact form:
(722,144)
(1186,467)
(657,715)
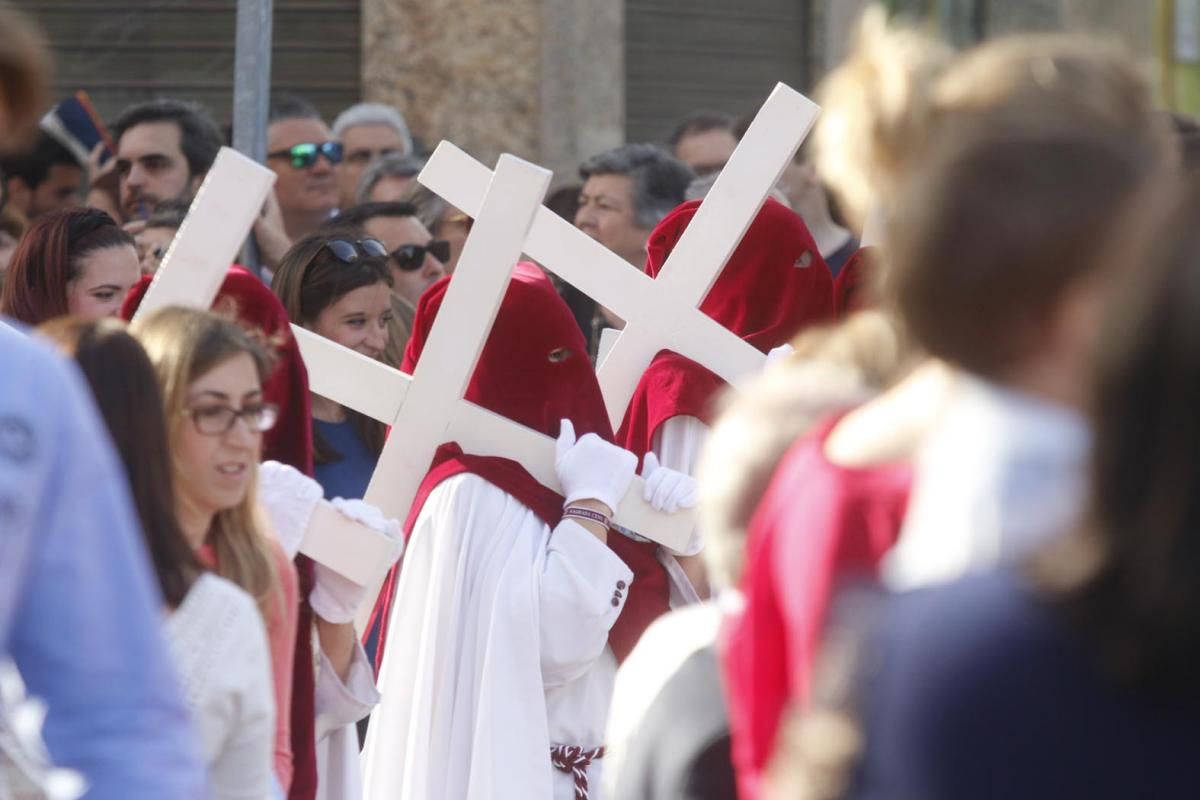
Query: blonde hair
(998,172)
(184,344)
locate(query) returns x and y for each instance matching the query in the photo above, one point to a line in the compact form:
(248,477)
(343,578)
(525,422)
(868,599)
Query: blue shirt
(348,476)
(80,613)
(982,690)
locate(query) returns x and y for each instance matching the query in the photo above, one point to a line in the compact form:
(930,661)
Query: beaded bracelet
(586,513)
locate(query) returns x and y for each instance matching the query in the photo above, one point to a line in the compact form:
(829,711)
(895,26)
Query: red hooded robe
(534,370)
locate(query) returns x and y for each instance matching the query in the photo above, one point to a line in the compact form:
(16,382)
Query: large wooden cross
(662,313)
(220,217)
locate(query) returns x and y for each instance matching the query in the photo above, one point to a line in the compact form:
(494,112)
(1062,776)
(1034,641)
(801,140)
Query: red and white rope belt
(575,761)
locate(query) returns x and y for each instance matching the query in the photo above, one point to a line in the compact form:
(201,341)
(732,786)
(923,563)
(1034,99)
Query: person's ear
(18,194)
(194,183)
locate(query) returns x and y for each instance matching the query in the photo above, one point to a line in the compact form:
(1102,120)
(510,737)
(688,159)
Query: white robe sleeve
(339,706)
(341,703)
(581,593)
(678,443)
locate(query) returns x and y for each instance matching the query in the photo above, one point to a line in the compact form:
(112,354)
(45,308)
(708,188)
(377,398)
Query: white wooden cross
(218,221)
(662,313)
(428,409)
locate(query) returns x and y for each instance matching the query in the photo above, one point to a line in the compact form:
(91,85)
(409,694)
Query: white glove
(667,490)
(778,354)
(289,497)
(336,598)
(591,468)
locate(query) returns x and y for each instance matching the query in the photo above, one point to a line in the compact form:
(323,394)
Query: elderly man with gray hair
(626,192)
(367,131)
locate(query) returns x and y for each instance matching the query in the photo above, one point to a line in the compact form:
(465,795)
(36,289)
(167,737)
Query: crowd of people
(941,541)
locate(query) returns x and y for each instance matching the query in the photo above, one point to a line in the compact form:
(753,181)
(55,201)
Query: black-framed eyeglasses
(218,420)
(304,155)
(410,257)
(348,251)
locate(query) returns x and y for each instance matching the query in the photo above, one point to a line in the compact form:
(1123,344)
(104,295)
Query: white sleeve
(339,704)
(582,590)
(244,768)
(678,443)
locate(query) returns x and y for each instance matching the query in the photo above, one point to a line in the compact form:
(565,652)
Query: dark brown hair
(996,230)
(1131,577)
(125,388)
(47,259)
(309,280)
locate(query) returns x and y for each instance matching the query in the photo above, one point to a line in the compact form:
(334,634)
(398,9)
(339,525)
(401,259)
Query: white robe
(1000,474)
(339,706)
(497,648)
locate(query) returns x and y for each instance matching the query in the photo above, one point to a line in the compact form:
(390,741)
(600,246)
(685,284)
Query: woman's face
(105,277)
(215,466)
(358,320)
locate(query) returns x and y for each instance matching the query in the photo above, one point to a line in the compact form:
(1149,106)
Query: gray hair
(659,179)
(393,165)
(374,114)
(431,207)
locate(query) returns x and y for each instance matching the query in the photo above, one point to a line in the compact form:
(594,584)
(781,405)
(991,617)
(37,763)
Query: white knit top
(219,645)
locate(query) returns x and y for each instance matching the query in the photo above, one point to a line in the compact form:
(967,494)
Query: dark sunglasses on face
(305,155)
(411,257)
(347,251)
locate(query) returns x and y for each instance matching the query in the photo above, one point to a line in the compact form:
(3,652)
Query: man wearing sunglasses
(417,261)
(302,152)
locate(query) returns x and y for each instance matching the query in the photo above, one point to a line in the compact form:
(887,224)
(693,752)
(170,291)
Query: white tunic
(339,706)
(999,475)
(497,648)
(219,645)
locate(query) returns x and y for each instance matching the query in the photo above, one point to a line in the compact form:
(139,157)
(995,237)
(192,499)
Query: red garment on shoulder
(534,370)
(290,442)
(774,285)
(817,524)
(851,289)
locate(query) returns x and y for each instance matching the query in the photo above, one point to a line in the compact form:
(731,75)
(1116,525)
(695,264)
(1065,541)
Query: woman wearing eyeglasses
(340,287)
(211,374)
(213,629)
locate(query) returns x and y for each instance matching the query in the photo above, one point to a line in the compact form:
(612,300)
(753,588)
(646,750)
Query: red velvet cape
(774,284)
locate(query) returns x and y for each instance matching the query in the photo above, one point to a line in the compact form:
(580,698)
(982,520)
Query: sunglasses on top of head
(411,257)
(348,251)
(304,155)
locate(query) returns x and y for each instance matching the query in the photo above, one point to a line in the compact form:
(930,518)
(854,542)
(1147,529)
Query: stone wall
(464,70)
(542,79)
